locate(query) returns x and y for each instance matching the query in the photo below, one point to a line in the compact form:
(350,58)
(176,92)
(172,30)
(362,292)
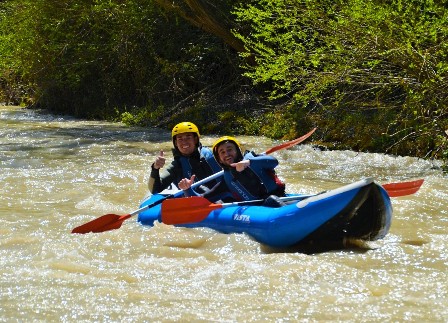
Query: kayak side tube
(327,214)
(360,210)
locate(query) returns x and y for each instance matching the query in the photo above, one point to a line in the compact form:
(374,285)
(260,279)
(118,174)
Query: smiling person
(190,157)
(248,177)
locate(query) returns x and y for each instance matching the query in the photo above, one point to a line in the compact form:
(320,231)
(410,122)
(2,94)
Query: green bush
(355,57)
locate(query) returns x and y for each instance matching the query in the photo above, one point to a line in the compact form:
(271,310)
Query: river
(58,172)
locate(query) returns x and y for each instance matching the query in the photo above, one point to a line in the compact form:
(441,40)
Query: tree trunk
(204,15)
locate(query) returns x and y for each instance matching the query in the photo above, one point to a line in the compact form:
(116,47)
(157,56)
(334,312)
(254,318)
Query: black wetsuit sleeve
(158,182)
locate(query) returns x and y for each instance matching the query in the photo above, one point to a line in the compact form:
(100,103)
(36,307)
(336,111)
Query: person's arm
(154,177)
(158,182)
(257,162)
(263,161)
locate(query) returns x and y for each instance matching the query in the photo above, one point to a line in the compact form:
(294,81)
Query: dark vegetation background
(371,75)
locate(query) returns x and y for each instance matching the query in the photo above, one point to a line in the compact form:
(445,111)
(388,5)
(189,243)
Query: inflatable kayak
(361,210)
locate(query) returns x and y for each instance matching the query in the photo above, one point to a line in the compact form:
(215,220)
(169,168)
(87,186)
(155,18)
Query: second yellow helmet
(223,140)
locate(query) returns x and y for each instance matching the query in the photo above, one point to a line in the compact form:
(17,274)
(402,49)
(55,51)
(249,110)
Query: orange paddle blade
(290,143)
(403,188)
(104,223)
(187,210)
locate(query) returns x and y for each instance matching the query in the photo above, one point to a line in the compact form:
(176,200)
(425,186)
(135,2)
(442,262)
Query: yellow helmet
(225,139)
(184,127)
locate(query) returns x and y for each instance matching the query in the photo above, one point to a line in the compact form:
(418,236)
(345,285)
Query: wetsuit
(258,181)
(201,163)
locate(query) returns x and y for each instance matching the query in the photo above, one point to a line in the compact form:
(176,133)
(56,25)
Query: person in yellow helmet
(246,176)
(190,158)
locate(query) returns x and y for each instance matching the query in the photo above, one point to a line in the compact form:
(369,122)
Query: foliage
(370,74)
(97,58)
(355,61)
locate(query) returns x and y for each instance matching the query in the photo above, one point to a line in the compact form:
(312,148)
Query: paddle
(403,188)
(195,209)
(289,144)
(113,221)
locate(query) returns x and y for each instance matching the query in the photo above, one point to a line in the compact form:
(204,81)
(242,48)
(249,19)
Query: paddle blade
(187,210)
(290,143)
(403,188)
(103,223)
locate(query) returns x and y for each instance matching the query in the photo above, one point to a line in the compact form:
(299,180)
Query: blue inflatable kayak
(361,210)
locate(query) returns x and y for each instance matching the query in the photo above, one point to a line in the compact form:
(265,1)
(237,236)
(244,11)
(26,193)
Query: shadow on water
(59,132)
(317,247)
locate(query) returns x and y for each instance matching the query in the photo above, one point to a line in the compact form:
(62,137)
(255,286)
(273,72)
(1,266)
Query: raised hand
(242,165)
(160,161)
(186,183)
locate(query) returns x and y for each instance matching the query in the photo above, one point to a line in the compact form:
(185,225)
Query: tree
(350,64)
(211,16)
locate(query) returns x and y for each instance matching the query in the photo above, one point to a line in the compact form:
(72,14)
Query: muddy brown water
(57,173)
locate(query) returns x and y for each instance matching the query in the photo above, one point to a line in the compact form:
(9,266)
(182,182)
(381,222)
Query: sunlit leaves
(373,55)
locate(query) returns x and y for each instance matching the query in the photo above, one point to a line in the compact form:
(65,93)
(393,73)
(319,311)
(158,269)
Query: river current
(57,173)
